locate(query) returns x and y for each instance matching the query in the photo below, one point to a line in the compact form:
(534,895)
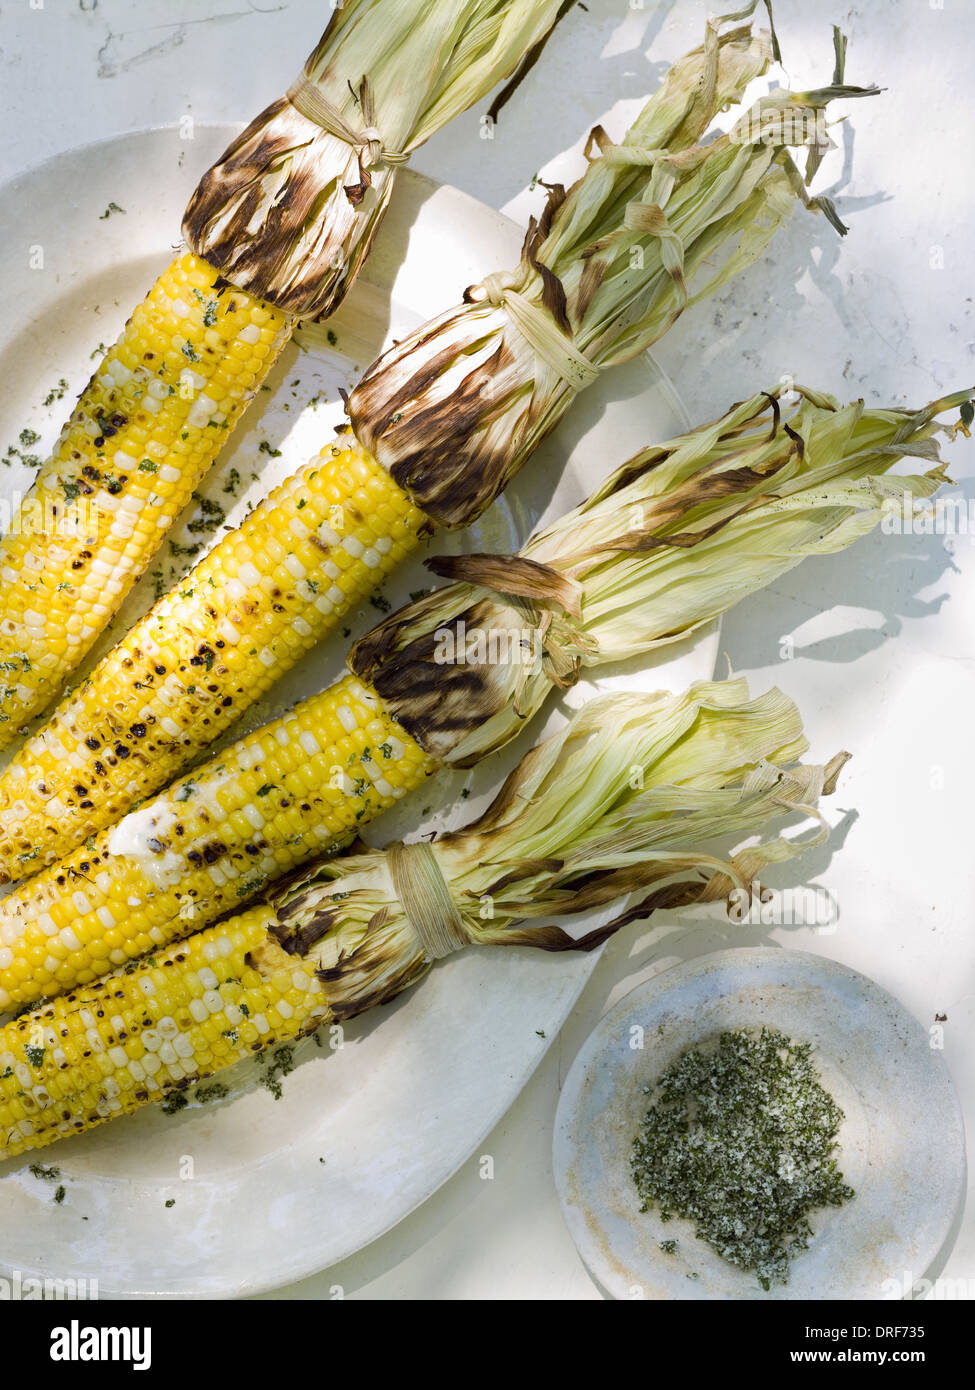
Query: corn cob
(340,941)
(432,686)
(211,647)
(430,409)
(117,1045)
(145,430)
(286,792)
(279,227)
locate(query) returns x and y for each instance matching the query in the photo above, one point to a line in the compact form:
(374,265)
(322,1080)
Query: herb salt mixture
(740,1140)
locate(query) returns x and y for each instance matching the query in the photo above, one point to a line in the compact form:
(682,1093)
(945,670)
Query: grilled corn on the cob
(211,647)
(286,792)
(353,933)
(288,214)
(145,430)
(135,1036)
(452,411)
(432,686)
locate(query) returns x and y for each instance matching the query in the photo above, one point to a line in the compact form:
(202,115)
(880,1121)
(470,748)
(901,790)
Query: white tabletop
(876,645)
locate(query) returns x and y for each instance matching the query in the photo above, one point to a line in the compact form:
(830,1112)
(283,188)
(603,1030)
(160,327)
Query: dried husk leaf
(635,795)
(454,409)
(673,539)
(290,210)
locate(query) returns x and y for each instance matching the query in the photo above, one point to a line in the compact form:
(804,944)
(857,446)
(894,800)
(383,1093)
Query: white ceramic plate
(266,1192)
(902,1145)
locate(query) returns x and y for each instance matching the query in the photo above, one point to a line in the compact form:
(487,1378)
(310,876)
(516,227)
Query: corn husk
(635,796)
(454,409)
(673,539)
(290,210)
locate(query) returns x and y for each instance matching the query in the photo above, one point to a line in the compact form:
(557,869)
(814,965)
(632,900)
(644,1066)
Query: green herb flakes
(739,1140)
(282,1064)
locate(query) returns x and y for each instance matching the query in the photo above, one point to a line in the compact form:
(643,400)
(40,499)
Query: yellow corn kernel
(143,1033)
(291,790)
(207,651)
(145,430)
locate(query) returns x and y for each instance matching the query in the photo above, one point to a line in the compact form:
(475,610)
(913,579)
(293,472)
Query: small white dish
(902,1145)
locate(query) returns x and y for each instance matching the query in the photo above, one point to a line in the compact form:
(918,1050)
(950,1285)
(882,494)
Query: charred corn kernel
(291,790)
(319,544)
(156,1027)
(145,430)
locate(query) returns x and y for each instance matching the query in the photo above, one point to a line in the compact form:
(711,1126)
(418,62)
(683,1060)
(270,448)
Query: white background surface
(883,659)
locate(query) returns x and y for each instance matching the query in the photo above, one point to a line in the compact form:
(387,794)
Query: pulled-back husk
(454,409)
(635,795)
(670,541)
(291,208)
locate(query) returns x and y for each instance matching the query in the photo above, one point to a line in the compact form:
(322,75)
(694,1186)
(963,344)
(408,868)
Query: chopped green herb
(45,1174)
(34,1054)
(174,1102)
(180,552)
(739,1140)
(251,885)
(112,207)
(282,1064)
(147,466)
(211,515)
(57,393)
(265,448)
